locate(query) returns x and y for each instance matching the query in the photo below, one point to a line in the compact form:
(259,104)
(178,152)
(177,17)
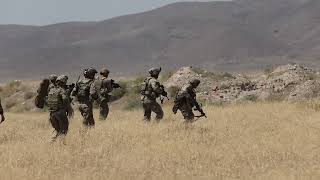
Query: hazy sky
(42,12)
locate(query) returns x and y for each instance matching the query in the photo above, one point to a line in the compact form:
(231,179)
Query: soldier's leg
(104,110)
(188,114)
(54,122)
(147,111)
(63,122)
(156,108)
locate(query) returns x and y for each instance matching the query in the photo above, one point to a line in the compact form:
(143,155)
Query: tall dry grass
(252,141)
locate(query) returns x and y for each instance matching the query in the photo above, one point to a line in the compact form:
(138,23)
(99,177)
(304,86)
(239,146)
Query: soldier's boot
(147,113)
(159,112)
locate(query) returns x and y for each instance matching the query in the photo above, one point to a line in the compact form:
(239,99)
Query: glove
(175,109)
(165,94)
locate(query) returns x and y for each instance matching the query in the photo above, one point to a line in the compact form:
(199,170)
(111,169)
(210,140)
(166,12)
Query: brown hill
(235,36)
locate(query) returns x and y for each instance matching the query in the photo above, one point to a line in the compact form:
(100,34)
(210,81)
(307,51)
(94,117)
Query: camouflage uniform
(185,100)
(52,79)
(1,113)
(151,90)
(86,93)
(58,103)
(106,86)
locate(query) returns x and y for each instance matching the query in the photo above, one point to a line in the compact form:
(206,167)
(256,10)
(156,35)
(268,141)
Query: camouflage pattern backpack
(144,90)
(84,89)
(54,99)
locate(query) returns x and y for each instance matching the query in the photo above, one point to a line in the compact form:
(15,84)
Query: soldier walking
(186,100)
(150,91)
(85,92)
(58,103)
(106,87)
(1,113)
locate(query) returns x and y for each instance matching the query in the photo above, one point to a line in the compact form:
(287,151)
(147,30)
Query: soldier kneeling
(59,104)
(186,100)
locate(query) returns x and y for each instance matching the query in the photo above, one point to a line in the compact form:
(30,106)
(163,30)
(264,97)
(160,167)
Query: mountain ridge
(236,35)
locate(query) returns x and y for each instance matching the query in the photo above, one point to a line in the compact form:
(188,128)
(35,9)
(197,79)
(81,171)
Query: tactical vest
(84,90)
(145,89)
(54,99)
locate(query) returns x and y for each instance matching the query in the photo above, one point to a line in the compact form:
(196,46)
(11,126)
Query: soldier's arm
(75,90)
(108,86)
(65,98)
(94,94)
(156,86)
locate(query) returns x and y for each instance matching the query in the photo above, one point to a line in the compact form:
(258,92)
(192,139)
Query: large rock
(287,82)
(182,76)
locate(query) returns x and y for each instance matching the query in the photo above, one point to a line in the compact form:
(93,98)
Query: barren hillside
(235,36)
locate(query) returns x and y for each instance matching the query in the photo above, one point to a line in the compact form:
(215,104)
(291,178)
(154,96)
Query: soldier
(58,103)
(1,113)
(106,86)
(86,93)
(186,99)
(151,89)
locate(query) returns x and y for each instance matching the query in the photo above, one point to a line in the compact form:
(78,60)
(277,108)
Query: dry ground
(251,141)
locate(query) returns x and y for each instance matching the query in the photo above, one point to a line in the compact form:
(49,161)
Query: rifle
(163,95)
(115,85)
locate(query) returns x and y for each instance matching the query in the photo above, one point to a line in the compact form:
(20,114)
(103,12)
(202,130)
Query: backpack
(84,89)
(54,100)
(145,87)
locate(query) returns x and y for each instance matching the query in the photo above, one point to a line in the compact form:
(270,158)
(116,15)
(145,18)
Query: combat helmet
(90,72)
(104,71)
(194,82)
(63,79)
(53,78)
(154,71)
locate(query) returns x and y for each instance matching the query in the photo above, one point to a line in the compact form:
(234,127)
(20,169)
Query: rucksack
(54,99)
(84,89)
(145,86)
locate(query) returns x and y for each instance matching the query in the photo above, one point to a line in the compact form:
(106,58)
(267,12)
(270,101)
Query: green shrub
(250,97)
(165,76)
(120,92)
(133,103)
(172,91)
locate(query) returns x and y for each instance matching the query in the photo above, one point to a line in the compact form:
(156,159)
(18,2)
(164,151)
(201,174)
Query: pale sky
(43,12)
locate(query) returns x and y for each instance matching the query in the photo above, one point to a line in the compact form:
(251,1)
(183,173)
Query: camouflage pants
(187,112)
(59,121)
(152,106)
(86,110)
(104,110)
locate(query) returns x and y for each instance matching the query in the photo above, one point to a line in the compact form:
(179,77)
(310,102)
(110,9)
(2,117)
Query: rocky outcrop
(288,82)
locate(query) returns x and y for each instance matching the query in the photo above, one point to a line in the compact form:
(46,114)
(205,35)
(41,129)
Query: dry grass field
(248,141)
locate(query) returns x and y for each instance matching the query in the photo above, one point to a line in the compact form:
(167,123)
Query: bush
(29,95)
(165,76)
(172,91)
(120,92)
(250,97)
(133,103)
